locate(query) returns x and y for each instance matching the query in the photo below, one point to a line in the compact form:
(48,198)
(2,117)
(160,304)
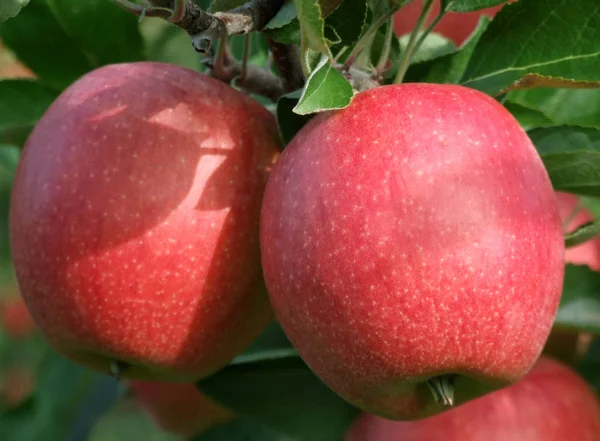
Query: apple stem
(442,389)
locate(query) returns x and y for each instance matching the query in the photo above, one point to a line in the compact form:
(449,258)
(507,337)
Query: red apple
(454,26)
(551,403)
(135,218)
(410,240)
(15,318)
(178,407)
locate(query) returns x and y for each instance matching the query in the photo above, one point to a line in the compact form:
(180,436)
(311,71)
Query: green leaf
(288,34)
(550,38)
(349,21)
(60,40)
(434,46)
(10,8)
(571,156)
(22,104)
(527,117)
(289,122)
(284,16)
(284,395)
(325,89)
(469,5)
(240,430)
(312,25)
(270,345)
(580,302)
(9,157)
(448,68)
(579,107)
(582,234)
(127,421)
(63,391)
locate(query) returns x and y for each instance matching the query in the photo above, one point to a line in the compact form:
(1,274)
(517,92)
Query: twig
(412,47)
(287,58)
(205,28)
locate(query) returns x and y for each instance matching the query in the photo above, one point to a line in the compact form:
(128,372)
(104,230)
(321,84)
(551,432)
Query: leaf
(10,8)
(571,156)
(9,158)
(528,118)
(270,345)
(284,17)
(562,106)
(22,104)
(580,302)
(582,234)
(325,89)
(549,38)
(532,81)
(434,46)
(312,25)
(128,421)
(60,40)
(448,68)
(60,406)
(288,34)
(288,121)
(240,430)
(349,21)
(284,395)
(469,5)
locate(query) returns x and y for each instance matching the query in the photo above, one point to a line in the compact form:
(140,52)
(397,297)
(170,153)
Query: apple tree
(289,220)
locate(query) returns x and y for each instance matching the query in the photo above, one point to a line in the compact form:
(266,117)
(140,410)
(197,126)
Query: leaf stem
(412,47)
(387,46)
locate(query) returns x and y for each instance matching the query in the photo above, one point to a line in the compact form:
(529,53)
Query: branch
(251,79)
(287,58)
(205,28)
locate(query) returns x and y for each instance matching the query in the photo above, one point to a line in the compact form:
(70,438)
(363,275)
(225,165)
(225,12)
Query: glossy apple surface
(551,403)
(411,237)
(135,217)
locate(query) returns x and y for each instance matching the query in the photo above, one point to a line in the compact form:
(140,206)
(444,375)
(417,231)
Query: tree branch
(287,58)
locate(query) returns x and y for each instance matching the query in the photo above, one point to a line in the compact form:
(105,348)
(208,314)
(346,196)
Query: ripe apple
(178,408)
(15,318)
(412,241)
(551,403)
(135,217)
(457,27)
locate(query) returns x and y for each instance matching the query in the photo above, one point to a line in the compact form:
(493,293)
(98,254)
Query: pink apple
(551,403)
(410,240)
(135,220)
(178,407)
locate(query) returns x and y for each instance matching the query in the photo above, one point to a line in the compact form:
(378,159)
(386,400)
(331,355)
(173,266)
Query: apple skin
(551,403)
(178,408)
(457,27)
(412,235)
(134,221)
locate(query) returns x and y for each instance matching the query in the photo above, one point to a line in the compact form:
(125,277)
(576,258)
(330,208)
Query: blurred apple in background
(454,26)
(178,407)
(551,403)
(565,344)
(15,319)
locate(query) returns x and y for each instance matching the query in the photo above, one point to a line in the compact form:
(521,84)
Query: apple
(457,27)
(178,408)
(134,221)
(411,242)
(17,384)
(15,319)
(551,403)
